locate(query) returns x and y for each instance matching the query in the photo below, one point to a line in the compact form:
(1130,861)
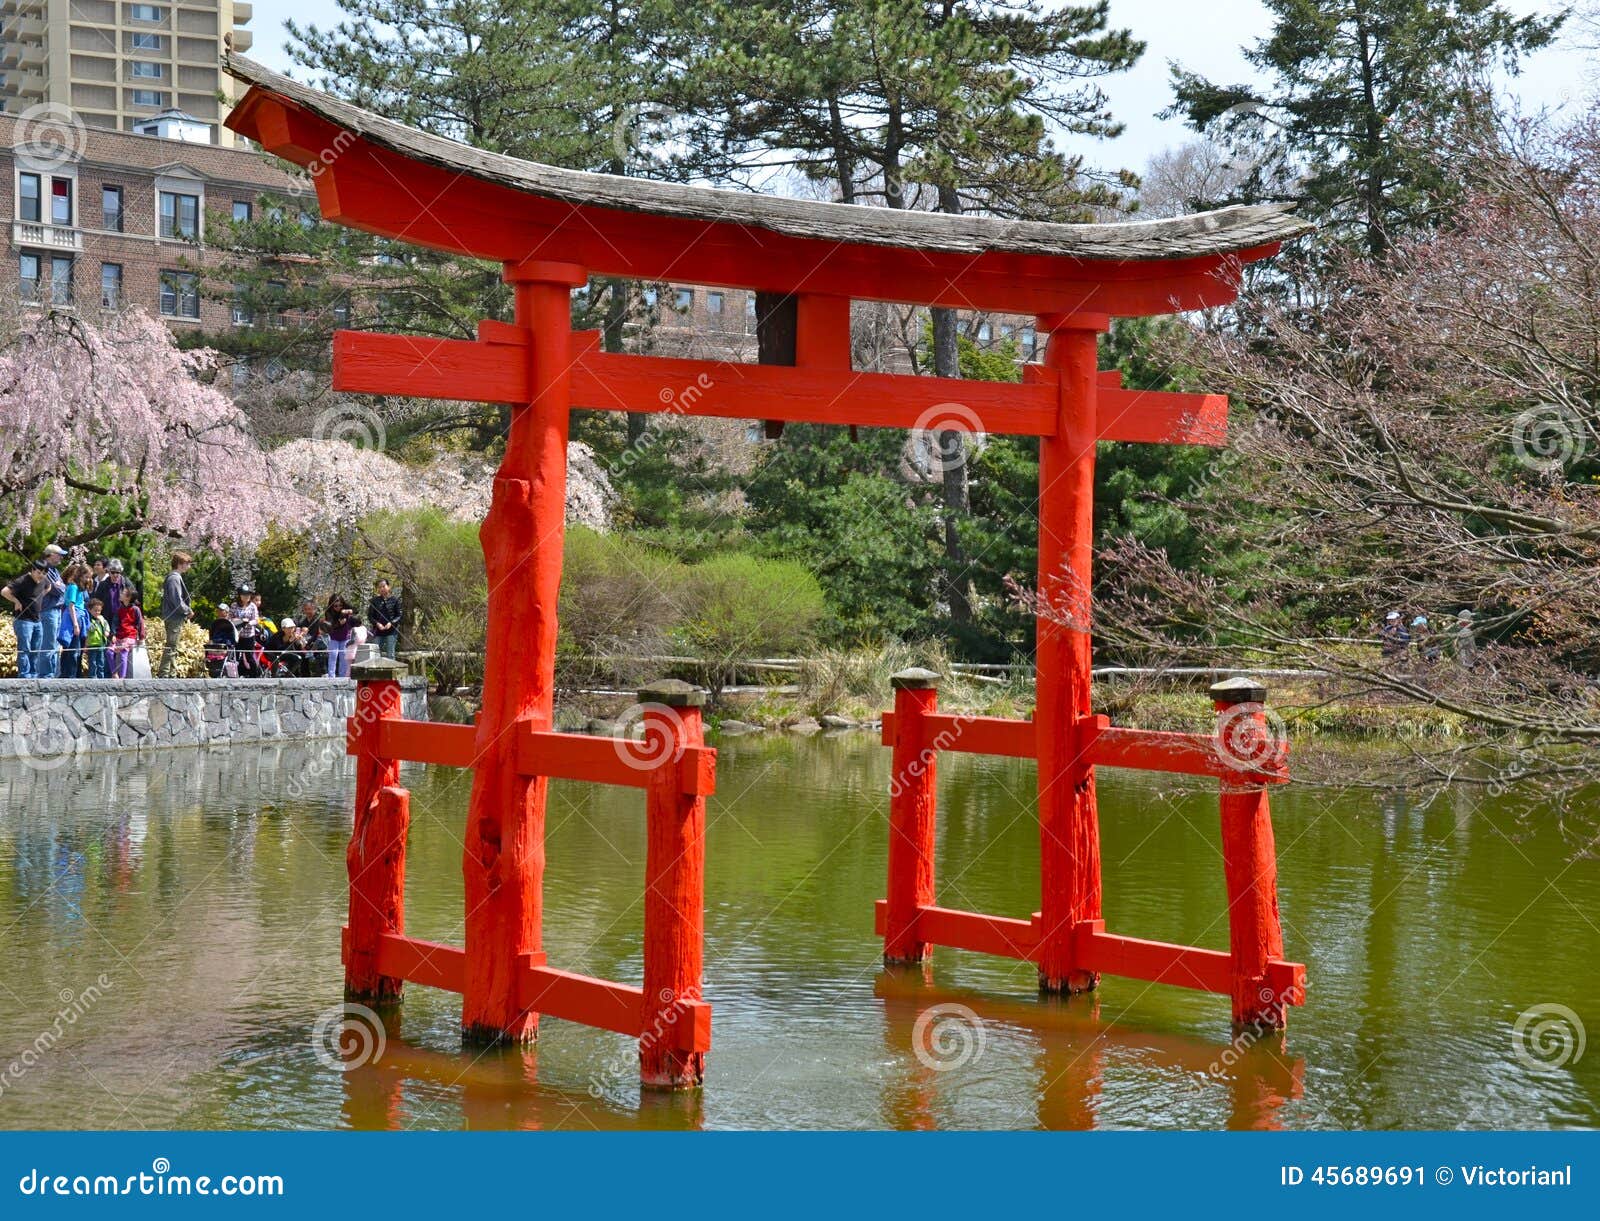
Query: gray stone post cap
(379,669)
(1240,690)
(674,693)
(914,679)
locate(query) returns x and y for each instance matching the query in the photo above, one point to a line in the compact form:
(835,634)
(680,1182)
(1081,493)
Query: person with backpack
(25,593)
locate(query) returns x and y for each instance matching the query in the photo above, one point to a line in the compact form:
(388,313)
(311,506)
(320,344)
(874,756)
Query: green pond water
(171,931)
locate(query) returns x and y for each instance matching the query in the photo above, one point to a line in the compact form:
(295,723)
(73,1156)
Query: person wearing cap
(246,619)
(1392,635)
(25,594)
(47,658)
(175,612)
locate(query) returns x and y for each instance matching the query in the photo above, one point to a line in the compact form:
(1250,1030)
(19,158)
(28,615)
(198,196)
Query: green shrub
(741,606)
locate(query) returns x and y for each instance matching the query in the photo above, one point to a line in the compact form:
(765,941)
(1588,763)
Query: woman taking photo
(341,621)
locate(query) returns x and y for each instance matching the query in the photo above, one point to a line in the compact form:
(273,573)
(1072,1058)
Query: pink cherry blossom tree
(109,429)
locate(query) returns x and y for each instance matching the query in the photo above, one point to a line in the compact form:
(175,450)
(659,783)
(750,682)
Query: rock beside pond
(602,728)
(833,720)
(805,725)
(734,728)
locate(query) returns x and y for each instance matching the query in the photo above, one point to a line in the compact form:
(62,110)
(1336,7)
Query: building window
(714,304)
(750,306)
(180,215)
(341,312)
(145,12)
(149,97)
(1007,331)
(144,42)
(28,270)
(683,299)
(146,71)
(180,294)
(110,285)
(61,201)
(278,293)
(111,208)
(1029,342)
(28,204)
(650,295)
(61,279)
(241,210)
(985,333)
(242,313)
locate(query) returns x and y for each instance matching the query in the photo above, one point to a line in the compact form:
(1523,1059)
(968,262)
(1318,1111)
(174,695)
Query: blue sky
(1203,35)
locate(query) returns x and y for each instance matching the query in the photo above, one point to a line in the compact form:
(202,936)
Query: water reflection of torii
(1258,1073)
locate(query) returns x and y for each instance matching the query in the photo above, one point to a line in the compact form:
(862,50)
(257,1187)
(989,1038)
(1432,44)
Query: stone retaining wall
(42,720)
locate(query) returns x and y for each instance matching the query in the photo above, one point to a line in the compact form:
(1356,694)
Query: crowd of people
(1400,639)
(85,620)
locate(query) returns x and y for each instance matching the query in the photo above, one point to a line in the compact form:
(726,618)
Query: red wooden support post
(376,855)
(675,886)
(1249,856)
(913,806)
(1069,831)
(503,859)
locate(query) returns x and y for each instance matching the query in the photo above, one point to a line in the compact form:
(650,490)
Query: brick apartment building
(108,219)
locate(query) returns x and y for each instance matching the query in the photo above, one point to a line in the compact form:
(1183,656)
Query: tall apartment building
(117,64)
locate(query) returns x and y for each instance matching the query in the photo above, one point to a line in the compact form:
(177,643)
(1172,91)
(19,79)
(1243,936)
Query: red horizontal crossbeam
(1188,754)
(1182,966)
(627,762)
(551,993)
(972,735)
(1094,949)
(495,370)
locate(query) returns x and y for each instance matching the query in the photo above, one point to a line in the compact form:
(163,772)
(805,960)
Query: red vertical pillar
(376,855)
(1069,832)
(503,858)
(913,809)
(1249,855)
(675,889)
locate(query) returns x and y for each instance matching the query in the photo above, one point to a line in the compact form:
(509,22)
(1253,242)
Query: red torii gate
(552,229)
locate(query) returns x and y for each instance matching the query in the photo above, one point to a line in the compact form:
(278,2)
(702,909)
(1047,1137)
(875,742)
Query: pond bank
(45,721)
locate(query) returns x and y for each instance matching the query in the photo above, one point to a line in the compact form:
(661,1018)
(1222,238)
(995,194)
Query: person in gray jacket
(175,612)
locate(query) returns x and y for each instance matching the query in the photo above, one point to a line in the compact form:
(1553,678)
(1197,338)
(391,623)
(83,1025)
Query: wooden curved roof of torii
(382,176)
